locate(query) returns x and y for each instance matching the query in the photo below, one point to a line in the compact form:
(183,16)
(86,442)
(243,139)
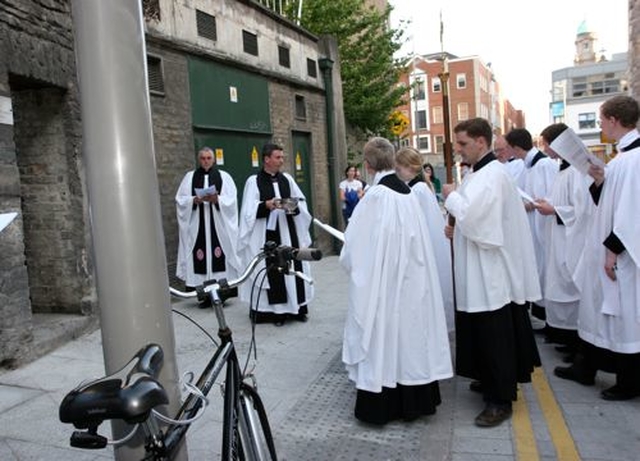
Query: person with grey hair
(207,212)
(396,346)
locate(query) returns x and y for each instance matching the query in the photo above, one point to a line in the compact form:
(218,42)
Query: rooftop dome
(582,28)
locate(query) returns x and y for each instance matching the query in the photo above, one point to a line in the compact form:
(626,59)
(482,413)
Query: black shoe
(563,348)
(617,393)
(572,373)
(475,386)
(301,317)
(570,358)
(493,415)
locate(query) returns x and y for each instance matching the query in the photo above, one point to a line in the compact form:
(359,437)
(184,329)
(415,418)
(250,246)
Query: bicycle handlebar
(282,255)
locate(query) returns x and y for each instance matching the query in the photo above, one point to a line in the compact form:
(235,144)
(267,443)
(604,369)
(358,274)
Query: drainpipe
(326,66)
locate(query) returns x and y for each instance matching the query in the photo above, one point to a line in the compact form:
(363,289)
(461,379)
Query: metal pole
(326,66)
(448,159)
(126,224)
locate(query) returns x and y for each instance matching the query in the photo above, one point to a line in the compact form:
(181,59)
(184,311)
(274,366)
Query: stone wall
(45,264)
(173,140)
(634,47)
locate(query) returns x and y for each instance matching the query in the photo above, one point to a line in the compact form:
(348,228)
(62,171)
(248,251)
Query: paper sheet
(211,190)
(571,148)
(5,219)
(526,197)
(331,230)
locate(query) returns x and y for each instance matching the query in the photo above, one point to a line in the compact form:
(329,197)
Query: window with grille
(436,85)
(206,25)
(587,121)
(421,119)
(154,74)
(312,69)
(250,43)
(437,114)
(439,140)
(283,56)
(463,111)
(423,142)
(461,81)
(301,108)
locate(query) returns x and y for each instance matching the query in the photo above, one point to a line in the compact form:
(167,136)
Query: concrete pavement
(310,400)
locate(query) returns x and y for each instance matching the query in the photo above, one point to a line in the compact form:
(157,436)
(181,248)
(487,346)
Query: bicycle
(132,393)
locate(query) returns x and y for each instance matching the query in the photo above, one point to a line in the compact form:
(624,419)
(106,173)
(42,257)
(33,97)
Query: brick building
(473,92)
(230,75)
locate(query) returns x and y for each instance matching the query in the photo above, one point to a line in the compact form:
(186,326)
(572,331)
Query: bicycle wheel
(232,449)
(255,432)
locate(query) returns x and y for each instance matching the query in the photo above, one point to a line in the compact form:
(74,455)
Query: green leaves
(367,44)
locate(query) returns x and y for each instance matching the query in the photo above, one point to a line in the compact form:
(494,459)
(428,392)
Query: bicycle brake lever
(304,277)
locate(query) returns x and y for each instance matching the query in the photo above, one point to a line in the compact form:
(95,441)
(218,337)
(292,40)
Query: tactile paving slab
(321,426)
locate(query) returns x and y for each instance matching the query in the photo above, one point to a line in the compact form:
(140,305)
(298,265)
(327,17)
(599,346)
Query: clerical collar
(625,142)
(273,177)
(484,161)
(381,174)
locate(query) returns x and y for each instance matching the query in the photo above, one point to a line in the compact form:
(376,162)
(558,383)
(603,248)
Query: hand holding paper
(203,192)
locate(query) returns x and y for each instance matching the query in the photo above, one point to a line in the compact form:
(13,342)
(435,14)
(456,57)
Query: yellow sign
(219,156)
(298,161)
(254,158)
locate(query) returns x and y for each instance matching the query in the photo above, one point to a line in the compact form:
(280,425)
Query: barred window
(206,25)
(155,75)
(283,56)
(250,42)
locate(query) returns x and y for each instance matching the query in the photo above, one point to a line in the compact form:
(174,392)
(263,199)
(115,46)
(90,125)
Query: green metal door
(236,153)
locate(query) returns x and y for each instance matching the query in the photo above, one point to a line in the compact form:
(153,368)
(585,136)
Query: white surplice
(565,242)
(495,260)
(441,246)
(515,167)
(252,233)
(395,331)
(225,219)
(610,311)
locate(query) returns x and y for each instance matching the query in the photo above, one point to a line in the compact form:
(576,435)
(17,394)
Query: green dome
(582,28)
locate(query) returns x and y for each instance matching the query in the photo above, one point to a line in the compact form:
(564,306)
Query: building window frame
(250,43)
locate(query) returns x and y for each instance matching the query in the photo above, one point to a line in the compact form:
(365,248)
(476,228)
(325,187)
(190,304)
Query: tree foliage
(367,45)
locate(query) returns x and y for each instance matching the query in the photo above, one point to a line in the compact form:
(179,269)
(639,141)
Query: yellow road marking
(560,435)
(526,449)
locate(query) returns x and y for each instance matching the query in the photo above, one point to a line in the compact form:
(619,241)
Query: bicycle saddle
(128,394)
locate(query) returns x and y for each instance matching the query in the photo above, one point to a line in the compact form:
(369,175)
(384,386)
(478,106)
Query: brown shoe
(493,415)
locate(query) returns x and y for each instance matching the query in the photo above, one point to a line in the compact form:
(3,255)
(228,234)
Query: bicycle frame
(92,403)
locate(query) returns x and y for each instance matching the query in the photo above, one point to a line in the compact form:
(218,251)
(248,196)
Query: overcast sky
(523,40)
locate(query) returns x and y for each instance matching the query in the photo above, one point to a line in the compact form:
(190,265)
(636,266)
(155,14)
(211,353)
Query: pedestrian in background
(351,190)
